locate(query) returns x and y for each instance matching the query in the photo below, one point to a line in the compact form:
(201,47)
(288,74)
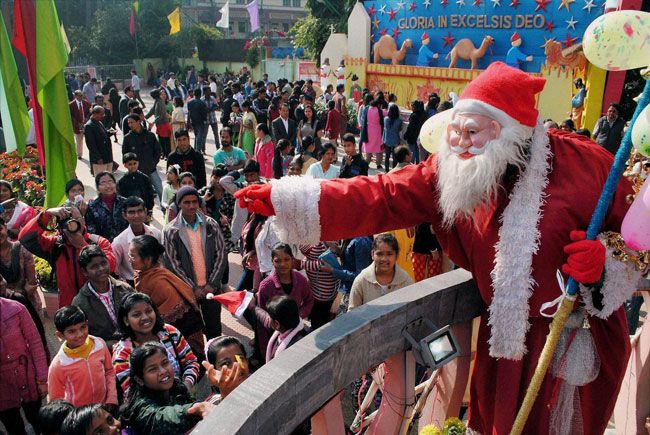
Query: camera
(71,225)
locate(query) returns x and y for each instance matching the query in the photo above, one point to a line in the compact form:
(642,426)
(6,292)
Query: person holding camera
(62,249)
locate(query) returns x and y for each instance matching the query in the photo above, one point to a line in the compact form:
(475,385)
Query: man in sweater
(187,158)
(196,253)
(143,144)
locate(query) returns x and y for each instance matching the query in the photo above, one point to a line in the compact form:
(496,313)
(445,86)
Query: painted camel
(386,48)
(464,49)
(569,58)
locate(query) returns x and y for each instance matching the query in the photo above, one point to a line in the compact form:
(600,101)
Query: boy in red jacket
(333,125)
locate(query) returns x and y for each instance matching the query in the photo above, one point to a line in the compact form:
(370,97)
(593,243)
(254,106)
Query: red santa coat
(408,197)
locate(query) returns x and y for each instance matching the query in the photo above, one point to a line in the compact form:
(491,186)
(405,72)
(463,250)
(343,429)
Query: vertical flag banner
(132,22)
(254,13)
(12,101)
(39,38)
(175,21)
(225,16)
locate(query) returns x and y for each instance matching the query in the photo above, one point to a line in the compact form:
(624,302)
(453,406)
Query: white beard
(466,185)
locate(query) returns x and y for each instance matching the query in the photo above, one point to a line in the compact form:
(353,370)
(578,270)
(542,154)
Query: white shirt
(285,122)
(31,134)
(213,88)
(121,250)
(135,82)
(171,83)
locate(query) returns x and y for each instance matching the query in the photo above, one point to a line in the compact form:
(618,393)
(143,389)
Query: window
(286,2)
(241,2)
(241,26)
(296,3)
(285,27)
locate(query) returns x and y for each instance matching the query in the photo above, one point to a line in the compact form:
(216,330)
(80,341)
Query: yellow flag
(175,21)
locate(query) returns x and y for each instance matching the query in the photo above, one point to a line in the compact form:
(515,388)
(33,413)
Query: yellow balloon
(434,130)
(619,40)
(641,132)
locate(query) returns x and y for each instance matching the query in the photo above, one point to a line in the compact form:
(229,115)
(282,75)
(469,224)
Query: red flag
(132,23)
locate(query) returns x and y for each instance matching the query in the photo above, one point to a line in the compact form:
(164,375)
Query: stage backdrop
(448,21)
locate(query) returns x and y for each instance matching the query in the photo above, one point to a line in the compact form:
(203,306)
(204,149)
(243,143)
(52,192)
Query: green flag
(12,101)
(58,139)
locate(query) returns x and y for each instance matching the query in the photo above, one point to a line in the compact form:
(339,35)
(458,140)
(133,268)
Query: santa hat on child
(425,36)
(515,37)
(503,93)
(235,302)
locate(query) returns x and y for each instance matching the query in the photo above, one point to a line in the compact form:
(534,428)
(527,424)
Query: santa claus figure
(508,201)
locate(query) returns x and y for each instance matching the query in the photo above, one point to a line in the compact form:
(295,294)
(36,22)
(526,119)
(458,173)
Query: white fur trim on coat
(295,200)
(519,238)
(620,282)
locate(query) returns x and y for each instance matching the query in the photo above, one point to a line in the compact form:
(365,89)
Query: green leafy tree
(253,56)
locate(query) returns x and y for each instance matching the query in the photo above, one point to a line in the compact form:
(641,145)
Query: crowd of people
(137,321)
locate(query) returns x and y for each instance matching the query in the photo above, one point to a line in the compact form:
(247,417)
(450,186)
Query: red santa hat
(503,93)
(235,302)
(515,37)
(425,36)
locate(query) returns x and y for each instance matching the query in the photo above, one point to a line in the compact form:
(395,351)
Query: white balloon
(641,132)
(434,129)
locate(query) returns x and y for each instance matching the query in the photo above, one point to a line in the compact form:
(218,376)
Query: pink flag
(254,13)
(132,23)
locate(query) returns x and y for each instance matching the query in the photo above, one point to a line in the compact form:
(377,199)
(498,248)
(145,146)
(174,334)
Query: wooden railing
(304,378)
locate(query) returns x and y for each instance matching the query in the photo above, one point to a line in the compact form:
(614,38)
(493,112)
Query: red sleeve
(33,236)
(400,199)
(105,246)
(109,374)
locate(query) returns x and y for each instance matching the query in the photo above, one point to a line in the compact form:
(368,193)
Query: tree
(311,32)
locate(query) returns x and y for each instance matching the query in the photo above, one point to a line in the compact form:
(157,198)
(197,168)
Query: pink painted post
(329,419)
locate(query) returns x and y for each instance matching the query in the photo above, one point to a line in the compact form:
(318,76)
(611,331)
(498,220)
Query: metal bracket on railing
(436,348)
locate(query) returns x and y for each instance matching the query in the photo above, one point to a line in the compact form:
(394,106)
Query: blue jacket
(392,129)
(356,257)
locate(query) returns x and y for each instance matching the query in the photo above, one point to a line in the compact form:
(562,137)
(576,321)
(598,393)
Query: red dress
(579,170)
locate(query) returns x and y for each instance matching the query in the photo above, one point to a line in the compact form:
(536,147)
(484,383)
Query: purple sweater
(271,287)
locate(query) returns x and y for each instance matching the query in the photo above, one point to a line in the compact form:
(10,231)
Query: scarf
(281,342)
(82,351)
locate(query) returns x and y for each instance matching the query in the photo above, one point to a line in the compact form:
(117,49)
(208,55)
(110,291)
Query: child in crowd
(135,182)
(392,132)
(309,153)
(172,185)
(283,318)
(226,366)
(382,276)
(178,120)
(158,402)
(100,295)
(81,372)
(353,163)
(173,297)
(235,121)
(139,323)
(281,158)
(296,165)
(284,280)
(333,124)
(93,419)
(52,415)
(323,285)
(402,156)
(23,368)
(74,192)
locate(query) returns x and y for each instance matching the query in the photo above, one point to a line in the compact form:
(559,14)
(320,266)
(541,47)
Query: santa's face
(468,134)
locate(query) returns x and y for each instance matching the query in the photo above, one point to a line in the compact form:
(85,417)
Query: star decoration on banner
(427,3)
(477,3)
(589,4)
(514,3)
(449,40)
(400,5)
(382,9)
(412,7)
(542,4)
(460,3)
(396,32)
(375,23)
(547,41)
(372,10)
(383,32)
(496,3)
(391,15)
(571,23)
(549,26)
(569,41)
(565,4)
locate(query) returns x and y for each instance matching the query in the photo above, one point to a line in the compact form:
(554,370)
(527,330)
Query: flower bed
(25,175)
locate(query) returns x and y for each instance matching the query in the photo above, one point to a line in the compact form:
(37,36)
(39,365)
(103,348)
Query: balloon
(434,130)
(619,40)
(635,228)
(641,132)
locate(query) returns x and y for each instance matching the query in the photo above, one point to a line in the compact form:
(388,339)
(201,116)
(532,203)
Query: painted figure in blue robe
(425,55)
(515,56)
